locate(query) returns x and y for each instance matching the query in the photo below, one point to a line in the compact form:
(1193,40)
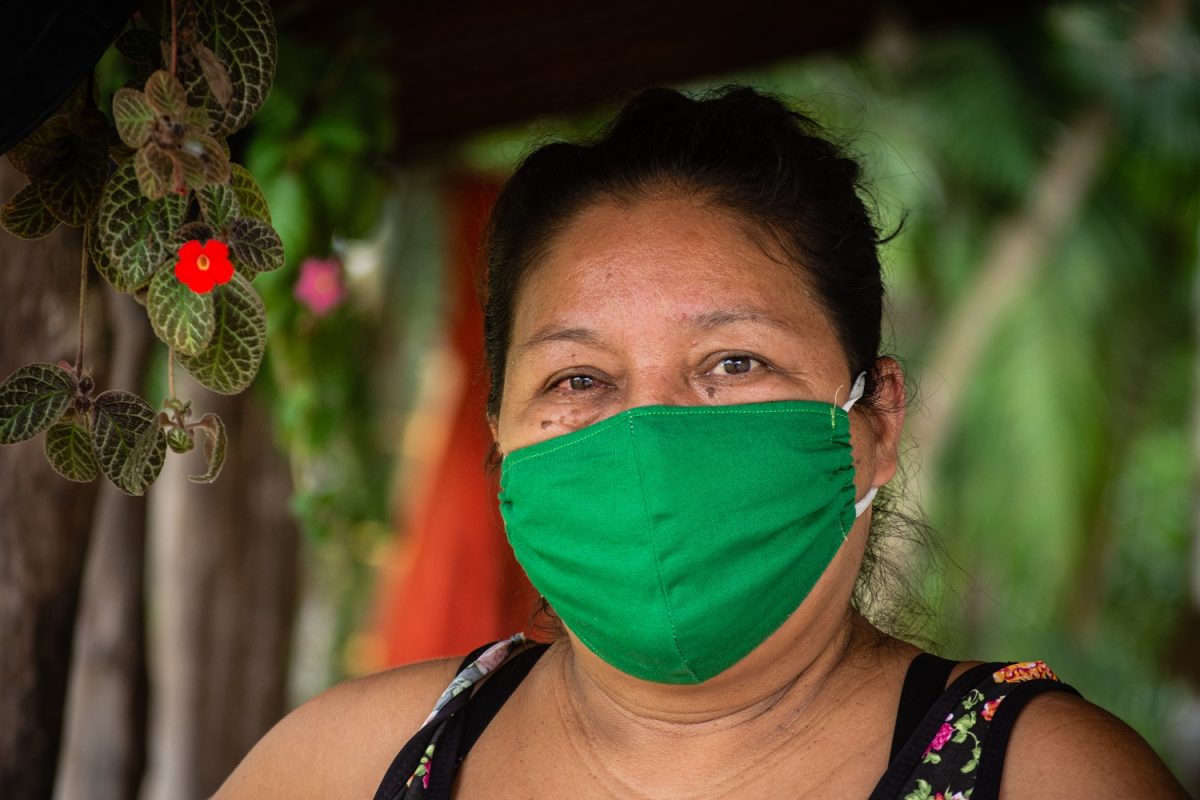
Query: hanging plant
(166,218)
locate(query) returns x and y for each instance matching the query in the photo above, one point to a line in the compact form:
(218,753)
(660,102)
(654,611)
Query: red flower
(203,266)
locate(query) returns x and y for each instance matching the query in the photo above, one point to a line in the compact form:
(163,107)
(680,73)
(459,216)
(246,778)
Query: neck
(772,692)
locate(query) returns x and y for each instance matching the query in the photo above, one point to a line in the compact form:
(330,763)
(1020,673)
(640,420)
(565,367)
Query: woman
(683,332)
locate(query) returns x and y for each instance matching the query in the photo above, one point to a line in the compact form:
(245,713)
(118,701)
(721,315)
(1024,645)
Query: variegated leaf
(241,36)
(250,196)
(181,318)
(134,116)
(32,399)
(180,440)
(231,360)
(166,94)
(219,204)
(214,447)
(155,171)
(254,246)
(68,447)
(71,184)
(135,230)
(26,216)
(42,147)
(129,444)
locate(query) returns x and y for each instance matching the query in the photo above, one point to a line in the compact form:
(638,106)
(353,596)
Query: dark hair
(746,152)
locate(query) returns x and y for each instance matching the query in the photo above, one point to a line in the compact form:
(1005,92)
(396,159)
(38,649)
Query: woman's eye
(736,365)
(577,383)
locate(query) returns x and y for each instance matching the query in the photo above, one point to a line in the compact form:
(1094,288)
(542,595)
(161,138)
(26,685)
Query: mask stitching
(657,566)
(509,464)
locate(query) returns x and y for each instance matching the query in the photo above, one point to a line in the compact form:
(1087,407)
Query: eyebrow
(711,320)
(706,321)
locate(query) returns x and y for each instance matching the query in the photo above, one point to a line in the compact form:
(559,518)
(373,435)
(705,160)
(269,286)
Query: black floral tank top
(948,743)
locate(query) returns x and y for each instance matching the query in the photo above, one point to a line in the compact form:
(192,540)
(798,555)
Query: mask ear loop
(856,393)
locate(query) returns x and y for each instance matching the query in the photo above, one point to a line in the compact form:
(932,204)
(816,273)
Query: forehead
(664,257)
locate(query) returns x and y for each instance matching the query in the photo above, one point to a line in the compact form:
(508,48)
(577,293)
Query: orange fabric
(461,586)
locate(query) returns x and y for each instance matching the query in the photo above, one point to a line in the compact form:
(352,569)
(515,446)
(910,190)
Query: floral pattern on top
(1023,671)
(951,759)
(487,661)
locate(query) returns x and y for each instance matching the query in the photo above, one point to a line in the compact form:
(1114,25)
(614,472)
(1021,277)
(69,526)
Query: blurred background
(1044,297)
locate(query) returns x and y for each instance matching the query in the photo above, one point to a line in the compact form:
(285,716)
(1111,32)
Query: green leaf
(26,216)
(923,791)
(250,196)
(254,246)
(129,444)
(166,94)
(134,116)
(180,440)
(69,450)
(155,171)
(135,230)
(219,204)
(231,360)
(32,399)
(959,737)
(42,147)
(98,257)
(211,155)
(931,758)
(72,183)
(181,318)
(200,231)
(242,37)
(969,766)
(214,447)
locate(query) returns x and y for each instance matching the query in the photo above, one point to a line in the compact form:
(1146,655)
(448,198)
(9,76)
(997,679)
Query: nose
(660,387)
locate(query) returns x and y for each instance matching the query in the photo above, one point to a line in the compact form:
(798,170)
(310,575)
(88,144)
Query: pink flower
(940,738)
(320,285)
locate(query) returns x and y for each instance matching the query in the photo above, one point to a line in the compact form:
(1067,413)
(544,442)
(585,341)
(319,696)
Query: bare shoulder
(340,743)
(1064,746)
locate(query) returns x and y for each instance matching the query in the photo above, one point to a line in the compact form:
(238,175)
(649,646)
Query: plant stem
(171,372)
(82,301)
(174,39)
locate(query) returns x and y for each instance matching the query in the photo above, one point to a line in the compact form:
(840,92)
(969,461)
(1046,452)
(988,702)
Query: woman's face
(668,302)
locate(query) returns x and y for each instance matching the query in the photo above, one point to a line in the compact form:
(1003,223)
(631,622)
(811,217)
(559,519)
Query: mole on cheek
(546,423)
(711,391)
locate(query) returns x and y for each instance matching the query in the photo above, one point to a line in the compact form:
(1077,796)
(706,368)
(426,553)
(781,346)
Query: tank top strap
(960,744)
(424,768)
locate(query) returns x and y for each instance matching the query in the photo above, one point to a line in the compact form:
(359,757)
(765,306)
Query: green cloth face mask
(673,540)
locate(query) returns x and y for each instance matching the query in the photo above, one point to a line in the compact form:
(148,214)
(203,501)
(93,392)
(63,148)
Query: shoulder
(341,742)
(1063,746)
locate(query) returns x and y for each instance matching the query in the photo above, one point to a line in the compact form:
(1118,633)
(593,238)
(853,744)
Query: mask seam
(690,410)
(657,566)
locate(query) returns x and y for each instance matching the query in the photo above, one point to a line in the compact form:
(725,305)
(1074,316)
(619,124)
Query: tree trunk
(44,519)
(224,561)
(104,750)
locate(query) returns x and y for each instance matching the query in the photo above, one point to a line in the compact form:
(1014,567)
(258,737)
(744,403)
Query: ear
(494,427)
(887,418)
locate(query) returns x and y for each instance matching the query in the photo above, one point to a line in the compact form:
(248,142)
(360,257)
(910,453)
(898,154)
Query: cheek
(863,445)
